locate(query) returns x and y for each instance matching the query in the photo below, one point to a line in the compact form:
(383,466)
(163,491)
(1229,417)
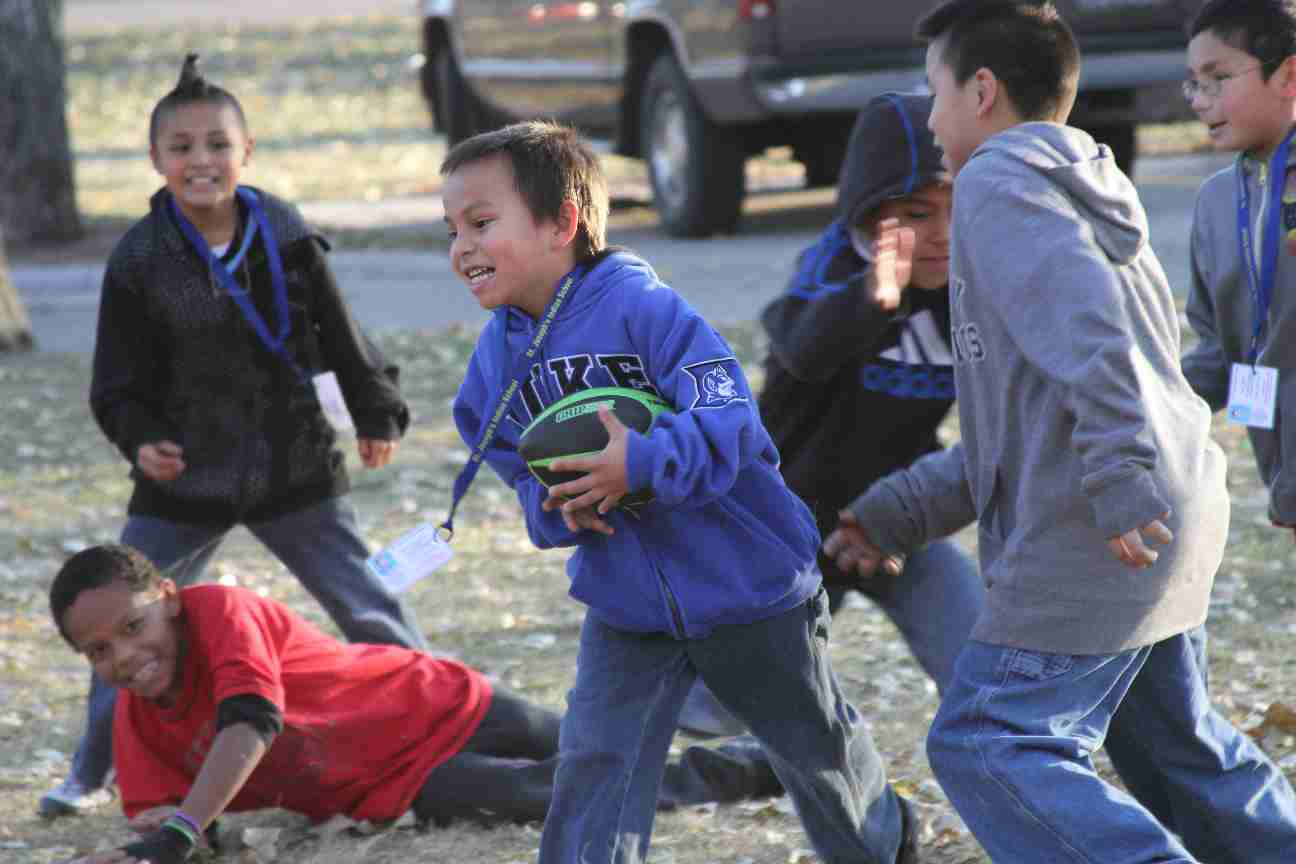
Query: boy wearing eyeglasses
(1242,59)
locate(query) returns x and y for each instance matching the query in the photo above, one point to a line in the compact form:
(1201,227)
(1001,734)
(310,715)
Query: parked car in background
(695,88)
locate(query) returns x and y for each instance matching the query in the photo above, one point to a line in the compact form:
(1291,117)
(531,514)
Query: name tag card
(415,554)
(1253,395)
(332,403)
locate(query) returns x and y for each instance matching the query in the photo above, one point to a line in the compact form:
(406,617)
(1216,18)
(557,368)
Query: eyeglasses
(1214,84)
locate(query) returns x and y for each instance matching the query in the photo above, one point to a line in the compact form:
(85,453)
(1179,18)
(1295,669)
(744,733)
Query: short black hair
(1265,29)
(1027,45)
(192,87)
(551,163)
(96,567)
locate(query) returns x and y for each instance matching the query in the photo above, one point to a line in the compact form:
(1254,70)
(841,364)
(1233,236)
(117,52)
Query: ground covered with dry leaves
(337,115)
(501,606)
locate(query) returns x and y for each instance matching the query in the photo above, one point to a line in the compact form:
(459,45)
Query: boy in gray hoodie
(1099,496)
(1242,56)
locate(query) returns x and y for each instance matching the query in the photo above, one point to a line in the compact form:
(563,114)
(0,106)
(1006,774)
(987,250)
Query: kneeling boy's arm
(913,506)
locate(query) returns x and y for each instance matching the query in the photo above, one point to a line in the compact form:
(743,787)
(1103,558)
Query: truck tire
(695,166)
(458,114)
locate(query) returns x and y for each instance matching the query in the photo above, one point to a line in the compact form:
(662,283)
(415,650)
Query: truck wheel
(457,110)
(696,167)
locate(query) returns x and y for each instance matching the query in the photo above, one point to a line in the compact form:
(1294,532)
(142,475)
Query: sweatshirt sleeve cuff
(880,511)
(1127,503)
(639,462)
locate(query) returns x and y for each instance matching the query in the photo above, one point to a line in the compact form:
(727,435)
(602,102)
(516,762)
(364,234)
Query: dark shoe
(736,771)
(908,853)
(704,717)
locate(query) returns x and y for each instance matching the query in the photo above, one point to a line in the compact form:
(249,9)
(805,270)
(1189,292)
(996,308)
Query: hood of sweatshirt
(1083,169)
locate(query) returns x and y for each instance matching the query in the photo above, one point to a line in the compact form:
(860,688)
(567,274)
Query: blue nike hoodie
(724,541)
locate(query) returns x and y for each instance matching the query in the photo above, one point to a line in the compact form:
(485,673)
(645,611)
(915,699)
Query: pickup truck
(694,87)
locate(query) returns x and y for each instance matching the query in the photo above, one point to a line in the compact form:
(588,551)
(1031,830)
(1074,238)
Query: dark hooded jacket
(176,360)
(851,391)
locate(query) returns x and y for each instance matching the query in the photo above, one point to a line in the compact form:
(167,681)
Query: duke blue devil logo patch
(716,382)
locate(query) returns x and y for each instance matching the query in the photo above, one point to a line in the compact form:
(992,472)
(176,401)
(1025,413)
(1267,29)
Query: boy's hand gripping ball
(570,427)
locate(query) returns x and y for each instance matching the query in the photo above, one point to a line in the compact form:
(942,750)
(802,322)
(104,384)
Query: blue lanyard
(521,370)
(1262,282)
(277,344)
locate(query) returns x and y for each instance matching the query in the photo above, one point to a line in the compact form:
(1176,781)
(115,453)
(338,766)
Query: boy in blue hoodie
(1087,462)
(714,578)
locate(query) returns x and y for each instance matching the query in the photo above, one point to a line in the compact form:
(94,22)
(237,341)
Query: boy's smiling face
(132,639)
(497,247)
(927,211)
(201,150)
(1249,113)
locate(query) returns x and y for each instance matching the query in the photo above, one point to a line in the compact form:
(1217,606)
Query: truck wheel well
(645,41)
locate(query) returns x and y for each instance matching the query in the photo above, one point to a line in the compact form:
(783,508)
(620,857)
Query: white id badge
(417,553)
(1253,395)
(331,401)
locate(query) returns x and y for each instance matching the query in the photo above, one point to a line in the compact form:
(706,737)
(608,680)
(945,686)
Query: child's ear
(247,150)
(155,158)
(987,90)
(1286,74)
(170,598)
(566,225)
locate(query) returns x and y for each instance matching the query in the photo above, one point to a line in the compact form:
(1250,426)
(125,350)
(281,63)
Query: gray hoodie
(1221,312)
(1077,424)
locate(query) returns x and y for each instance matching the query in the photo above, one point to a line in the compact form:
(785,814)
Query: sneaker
(908,853)
(70,798)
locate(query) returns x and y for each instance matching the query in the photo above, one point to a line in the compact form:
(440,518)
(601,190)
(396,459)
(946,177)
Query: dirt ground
(501,606)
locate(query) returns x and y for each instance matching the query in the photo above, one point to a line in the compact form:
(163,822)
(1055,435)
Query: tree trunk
(15,329)
(37,196)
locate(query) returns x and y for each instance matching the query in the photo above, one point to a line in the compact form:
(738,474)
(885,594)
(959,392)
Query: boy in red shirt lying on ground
(231,701)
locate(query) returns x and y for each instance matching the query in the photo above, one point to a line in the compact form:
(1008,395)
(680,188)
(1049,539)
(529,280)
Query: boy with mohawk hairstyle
(1083,448)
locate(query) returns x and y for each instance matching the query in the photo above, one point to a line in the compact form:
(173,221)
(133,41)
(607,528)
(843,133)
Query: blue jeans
(1012,743)
(775,675)
(320,545)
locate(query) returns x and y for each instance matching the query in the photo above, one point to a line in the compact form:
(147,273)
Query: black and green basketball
(570,428)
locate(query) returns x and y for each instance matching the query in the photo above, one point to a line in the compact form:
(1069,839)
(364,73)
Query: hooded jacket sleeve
(693,455)
(1206,366)
(819,325)
(1063,306)
(127,370)
(474,406)
(913,506)
(368,381)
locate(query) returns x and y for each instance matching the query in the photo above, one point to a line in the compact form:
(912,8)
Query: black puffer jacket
(853,392)
(176,360)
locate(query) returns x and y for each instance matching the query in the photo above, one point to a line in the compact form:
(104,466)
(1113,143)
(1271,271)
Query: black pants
(506,770)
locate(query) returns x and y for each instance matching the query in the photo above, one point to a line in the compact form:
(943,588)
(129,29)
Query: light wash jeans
(320,545)
(1012,745)
(776,677)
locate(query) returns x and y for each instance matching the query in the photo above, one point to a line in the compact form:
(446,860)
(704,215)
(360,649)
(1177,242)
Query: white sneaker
(70,798)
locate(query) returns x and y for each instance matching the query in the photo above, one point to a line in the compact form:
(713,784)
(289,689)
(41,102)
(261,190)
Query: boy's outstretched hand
(851,550)
(1130,548)
(893,250)
(604,480)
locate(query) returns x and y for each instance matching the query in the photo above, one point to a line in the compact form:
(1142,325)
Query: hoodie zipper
(676,617)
